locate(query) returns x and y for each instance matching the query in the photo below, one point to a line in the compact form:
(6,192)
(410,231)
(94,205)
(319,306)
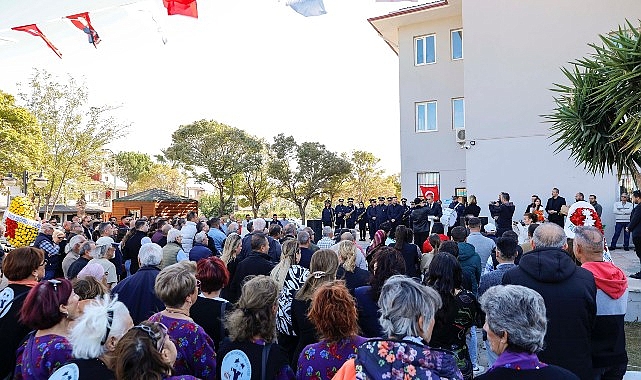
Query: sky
(253,64)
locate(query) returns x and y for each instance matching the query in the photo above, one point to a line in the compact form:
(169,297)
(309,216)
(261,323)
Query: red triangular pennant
(82,22)
(34,31)
(181,7)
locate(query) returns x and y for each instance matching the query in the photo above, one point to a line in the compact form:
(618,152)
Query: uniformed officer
(350,214)
(327,215)
(405,220)
(394,213)
(381,211)
(340,211)
(371,218)
(361,219)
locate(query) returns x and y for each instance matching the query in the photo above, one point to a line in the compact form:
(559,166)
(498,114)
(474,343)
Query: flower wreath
(586,217)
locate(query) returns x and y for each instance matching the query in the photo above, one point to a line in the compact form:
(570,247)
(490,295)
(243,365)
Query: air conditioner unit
(460,136)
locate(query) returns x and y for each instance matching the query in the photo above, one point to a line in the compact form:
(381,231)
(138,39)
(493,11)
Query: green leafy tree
(20,137)
(73,131)
(215,153)
(304,171)
(597,117)
(160,176)
(209,205)
(130,166)
(255,186)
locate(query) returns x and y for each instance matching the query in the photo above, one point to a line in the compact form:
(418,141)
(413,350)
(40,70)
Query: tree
(73,130)
(160,176)
(215,153)
(20,137)
(209,205)
(598,115)
(256,187)
(303,171)
(130,166)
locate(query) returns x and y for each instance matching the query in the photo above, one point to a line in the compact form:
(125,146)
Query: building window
(425,49)
(426,117)
(457,44)
(426,181)
(458,113)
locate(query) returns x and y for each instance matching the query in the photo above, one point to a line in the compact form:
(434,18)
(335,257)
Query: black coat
(635,221)
(131,248)
(569,293)
(555,204)
(256,263)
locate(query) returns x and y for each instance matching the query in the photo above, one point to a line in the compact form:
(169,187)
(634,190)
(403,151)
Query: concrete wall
(513,54)
(441,81)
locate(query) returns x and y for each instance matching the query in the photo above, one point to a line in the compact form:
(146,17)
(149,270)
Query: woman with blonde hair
(472,207)
(347,270)
(290,277)
(251,351)
(323,267)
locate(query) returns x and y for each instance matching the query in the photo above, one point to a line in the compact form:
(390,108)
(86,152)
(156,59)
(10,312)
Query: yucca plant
(598,114)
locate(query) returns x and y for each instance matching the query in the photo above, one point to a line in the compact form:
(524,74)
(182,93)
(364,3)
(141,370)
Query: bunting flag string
(35,31)
(82,22)
(307,8)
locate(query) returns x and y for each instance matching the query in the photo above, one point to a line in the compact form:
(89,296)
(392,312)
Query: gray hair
(259,224)
(200,237)
(103,227)
(327,231)
(303,237)
(348,236)
(517,311)
(76,239)
(232,227)
(150,254)
(86,246)
(549,235)
(100,251)
(88,335)
(402,301)
(289,229)
(172,235)
(590,238)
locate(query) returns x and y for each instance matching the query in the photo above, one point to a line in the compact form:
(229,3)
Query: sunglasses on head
(157,337)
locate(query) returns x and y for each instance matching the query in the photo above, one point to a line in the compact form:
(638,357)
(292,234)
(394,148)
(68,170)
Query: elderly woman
(177,287)
(104,252)
(251,351)
(290,277)
(322,269)
(23,267)
(386,263)
(49,309)
(173,251)
(515,323)
(209,309)
(407,318)
(333,313)
(146,352)
(347,270)
(72,251)
(94,338)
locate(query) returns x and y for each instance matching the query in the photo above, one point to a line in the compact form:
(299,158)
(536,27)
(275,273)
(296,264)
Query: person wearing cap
(361,218)
(394,213)
(327,215)
(407,210)
(381,212)
(350,214)
(370,212)
(104,252)
(340,210)
(48,240)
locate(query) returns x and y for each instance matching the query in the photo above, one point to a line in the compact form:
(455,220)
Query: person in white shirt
(622,211)
(521,228)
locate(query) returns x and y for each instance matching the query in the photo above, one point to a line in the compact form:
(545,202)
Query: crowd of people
(151,298)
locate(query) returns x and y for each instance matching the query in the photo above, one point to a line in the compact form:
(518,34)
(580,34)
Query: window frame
(416,107)
(436,183)
(452,44)
(454,127)
(424,38)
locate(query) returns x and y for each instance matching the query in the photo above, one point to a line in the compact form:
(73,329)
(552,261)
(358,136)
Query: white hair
(232,227)
(200,237)
(88,333)
(150,254)
(73,241)
(172,235)
(100,251)
(259,224)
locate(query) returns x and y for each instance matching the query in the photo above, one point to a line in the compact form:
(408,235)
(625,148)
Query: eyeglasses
(55,284)
(44,262)
(198,284)
(157,337)
(110,321)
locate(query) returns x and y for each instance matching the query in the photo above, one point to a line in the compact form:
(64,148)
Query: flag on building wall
(82,22)
(433,190)
(307,7)
(35,31)
(181,7)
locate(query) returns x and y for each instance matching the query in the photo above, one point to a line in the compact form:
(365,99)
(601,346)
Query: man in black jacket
(569,293)
(502,211)
(635,228)
(133,244)
(553,208)
(257,262)
(420,222)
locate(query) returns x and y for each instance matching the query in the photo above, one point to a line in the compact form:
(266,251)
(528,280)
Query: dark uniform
(394,214)
(327,215)
(407,210)
(350,213)
(361,219)
(381,212)
(340,211)
(371,218)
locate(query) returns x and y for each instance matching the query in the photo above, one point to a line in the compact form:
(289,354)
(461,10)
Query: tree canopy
(130,166)
(20,137)
(598,114)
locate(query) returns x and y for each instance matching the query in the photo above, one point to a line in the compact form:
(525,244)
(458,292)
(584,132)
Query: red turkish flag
(433,190)
(181,7)
(34,31)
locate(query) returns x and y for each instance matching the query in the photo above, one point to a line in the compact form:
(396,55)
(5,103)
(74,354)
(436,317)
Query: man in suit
(635,228)
(434,209)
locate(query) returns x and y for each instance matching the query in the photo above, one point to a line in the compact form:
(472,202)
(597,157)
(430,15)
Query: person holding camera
(502,212)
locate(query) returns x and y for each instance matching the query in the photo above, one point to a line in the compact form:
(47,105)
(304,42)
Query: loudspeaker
(317,226)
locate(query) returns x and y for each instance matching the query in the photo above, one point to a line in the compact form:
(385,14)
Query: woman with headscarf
(376,244)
